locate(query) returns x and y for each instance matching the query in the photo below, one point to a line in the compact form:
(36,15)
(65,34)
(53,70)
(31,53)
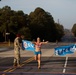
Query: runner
(38,53)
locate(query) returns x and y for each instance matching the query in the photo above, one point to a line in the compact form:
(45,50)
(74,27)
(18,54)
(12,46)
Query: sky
(63,11)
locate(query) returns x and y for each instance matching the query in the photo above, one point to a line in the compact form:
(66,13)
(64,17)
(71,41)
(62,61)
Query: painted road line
(65,65)
(27,61)
(12,69)
(7,69)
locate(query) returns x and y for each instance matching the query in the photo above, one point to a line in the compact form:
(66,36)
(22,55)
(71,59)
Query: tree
(74,29)
(5,13)
(38,23)
(26,32)
(59,31)
(4,18)
(42,25)
(12,22)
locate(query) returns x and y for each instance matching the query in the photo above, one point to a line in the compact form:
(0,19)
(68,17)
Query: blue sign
(28,45)
(63,50)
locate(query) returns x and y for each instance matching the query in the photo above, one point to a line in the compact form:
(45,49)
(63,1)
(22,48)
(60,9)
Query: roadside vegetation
(39,23)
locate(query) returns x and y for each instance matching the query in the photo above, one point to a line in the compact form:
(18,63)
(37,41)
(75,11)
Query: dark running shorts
(36,53)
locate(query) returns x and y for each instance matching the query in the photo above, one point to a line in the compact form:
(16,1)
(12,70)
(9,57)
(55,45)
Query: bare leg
(35,57)
(39,61)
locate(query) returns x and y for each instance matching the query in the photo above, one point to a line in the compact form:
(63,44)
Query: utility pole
(5,35)
(58,21)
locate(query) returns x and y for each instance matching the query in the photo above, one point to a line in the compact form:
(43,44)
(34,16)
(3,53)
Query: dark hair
(18,35)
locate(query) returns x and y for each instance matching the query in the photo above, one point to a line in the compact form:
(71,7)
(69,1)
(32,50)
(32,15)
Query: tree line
(38,23)
(74,29)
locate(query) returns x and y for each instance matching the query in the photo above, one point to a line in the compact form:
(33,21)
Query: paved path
(50,63)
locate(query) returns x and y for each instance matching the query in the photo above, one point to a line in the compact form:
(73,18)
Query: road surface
(50,63)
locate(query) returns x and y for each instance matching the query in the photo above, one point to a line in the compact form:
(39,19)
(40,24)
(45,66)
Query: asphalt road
(50,63)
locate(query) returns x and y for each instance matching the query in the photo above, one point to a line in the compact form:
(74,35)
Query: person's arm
(44,42)
(17,43)
(34,42)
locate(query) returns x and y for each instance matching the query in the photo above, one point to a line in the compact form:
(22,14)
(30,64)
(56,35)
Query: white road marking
(65,65)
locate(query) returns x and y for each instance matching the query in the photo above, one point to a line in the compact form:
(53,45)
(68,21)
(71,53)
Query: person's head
(22,36)
(38,39)
(18,35)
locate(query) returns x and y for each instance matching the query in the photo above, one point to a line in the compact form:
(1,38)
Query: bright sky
(64,10)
